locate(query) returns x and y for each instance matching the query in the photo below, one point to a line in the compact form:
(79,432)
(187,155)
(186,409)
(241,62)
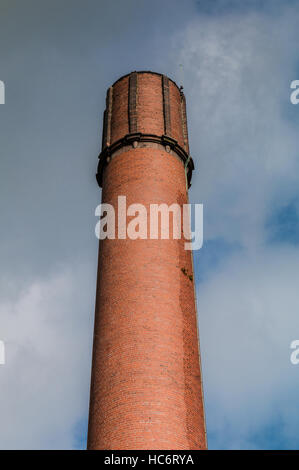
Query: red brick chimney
(146,389)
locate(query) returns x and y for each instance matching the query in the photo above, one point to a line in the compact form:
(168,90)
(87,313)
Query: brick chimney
(146,389)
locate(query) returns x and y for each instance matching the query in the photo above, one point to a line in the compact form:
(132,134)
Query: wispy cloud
(248,318)
(237,70)
(44,384)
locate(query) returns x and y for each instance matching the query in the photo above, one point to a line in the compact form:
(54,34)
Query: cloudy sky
(236,60)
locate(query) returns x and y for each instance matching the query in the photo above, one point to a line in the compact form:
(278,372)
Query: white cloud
(249,315)
(237,74)
(45,382)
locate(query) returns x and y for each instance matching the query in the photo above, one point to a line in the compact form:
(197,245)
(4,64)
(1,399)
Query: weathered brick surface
(120,118)
(184,123)
(150,104)
(146,385)
(154,106)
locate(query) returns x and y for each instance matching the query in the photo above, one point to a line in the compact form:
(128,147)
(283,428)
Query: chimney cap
(148,72)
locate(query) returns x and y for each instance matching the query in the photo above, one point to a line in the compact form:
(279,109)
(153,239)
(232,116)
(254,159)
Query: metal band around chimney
(144,140)
(166,105)
(133,102)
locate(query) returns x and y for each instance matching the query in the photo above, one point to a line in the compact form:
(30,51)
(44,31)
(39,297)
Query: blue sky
(237,59)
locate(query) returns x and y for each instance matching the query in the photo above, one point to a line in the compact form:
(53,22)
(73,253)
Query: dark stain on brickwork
(132,104)
(107,119)
(185,272)
(166,105)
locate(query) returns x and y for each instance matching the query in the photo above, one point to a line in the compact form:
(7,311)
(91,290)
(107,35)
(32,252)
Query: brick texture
(146,390)
(150,104)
